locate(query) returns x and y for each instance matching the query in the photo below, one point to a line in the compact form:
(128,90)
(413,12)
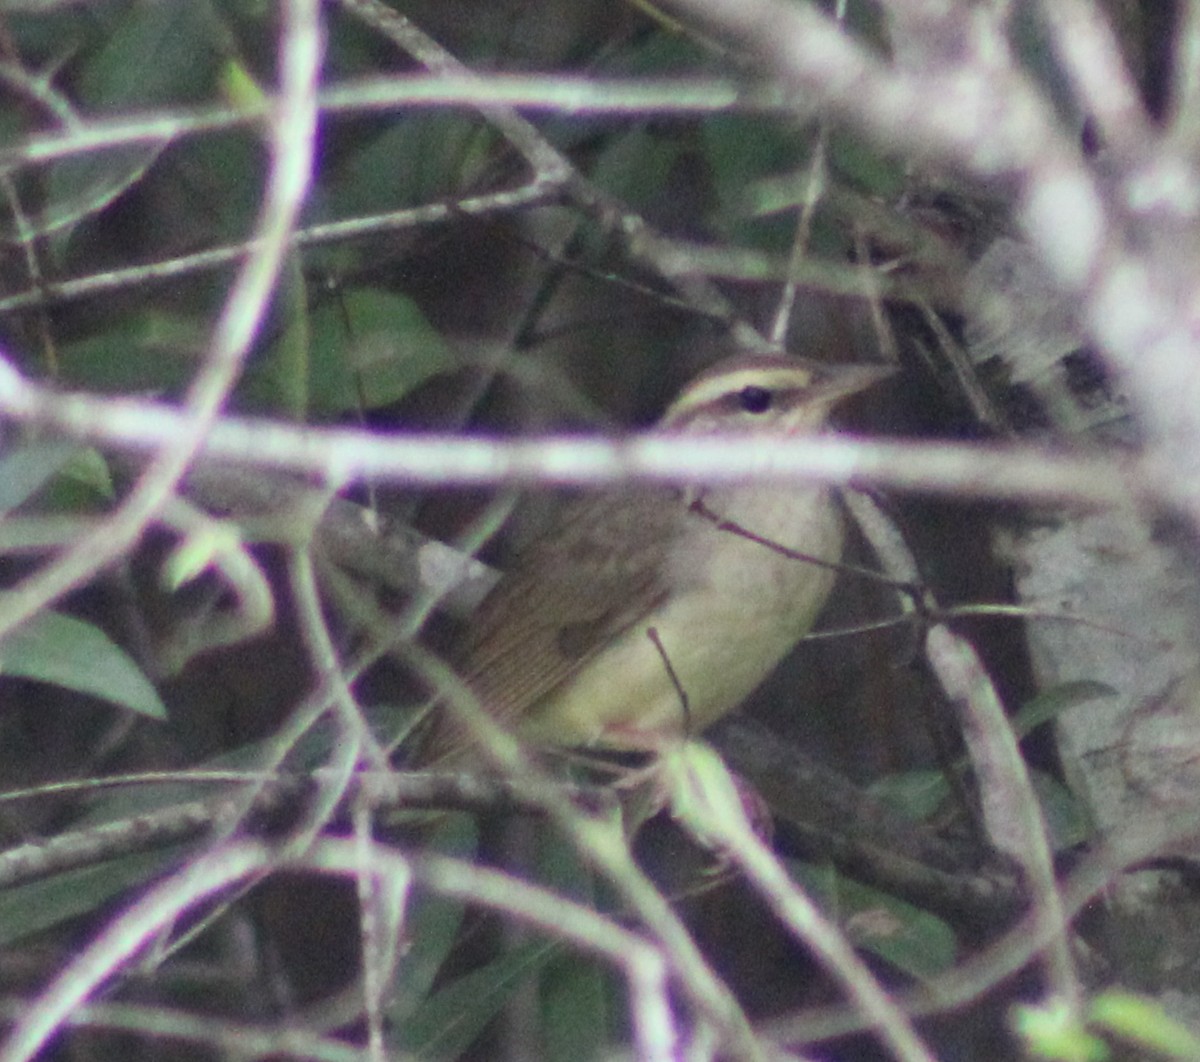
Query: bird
(643,614)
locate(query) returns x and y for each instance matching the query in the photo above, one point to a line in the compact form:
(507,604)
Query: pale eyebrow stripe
(730,383)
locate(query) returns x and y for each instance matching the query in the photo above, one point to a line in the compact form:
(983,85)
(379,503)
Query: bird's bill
(834,382)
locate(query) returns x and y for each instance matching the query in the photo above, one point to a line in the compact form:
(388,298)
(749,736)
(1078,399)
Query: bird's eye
(755,399)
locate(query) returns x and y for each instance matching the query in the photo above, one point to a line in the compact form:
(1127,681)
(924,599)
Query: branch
(341,456)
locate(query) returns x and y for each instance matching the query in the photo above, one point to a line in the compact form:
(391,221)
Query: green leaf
(576,998)
(84,484)
(196,553)
(916,794)
(702,793)
(450,1021)
(287,362)
(88,473)
(575,991)
(369,348)
(239,87)
(78,188)
(859,161)
(1143,1022)
(151,352)
(25,470)
(1049,1031)
(433,922)
(912,940)
(29,909)
(413,160)
(223,176)
(64,651)
(742,153)
(153,54)
(1066,816)
(636,167)
(1050,704)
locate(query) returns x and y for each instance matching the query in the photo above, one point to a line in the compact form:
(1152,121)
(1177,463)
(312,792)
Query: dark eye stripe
(755,399)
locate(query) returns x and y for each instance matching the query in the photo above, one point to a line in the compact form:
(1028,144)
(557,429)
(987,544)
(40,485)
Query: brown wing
(598,570)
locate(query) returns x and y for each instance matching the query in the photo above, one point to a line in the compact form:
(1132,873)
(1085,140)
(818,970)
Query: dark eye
(755,399)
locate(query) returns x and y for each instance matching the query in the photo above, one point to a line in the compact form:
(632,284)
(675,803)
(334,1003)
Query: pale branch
(338,456)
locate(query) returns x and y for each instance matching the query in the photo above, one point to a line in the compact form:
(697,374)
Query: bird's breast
(734,608)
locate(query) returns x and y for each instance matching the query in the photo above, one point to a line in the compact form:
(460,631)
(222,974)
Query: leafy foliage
(234,678)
